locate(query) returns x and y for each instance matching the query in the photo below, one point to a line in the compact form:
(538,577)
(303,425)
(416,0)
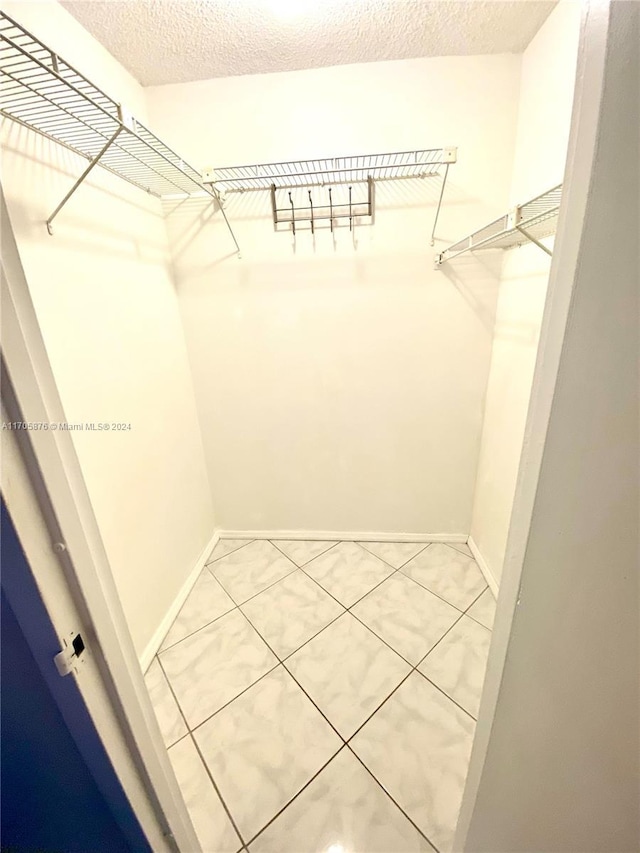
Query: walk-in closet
(289,264)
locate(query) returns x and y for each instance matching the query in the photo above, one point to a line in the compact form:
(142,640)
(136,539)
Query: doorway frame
(47,498)
(581,154)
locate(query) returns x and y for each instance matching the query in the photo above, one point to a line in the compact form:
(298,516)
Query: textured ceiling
(174,41)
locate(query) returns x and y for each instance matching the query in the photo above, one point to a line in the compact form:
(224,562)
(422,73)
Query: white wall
(546,97)
(557,767)
(340,383)
(103,294)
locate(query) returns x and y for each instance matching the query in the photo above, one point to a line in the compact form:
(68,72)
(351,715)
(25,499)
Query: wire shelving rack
(41,91)
(326,172)
(529,222)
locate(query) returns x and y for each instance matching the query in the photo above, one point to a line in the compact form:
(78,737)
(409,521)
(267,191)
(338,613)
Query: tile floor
(320,697)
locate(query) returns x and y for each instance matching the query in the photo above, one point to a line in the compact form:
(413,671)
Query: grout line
(286,669)
(437,595)
(206,766)
(455,546)
(478,596)
(414,668)
(466,612)
(321,554)
(241,693)
(320,711)
(197,630)
(255,595)
(300,568)
(297,794)
(160,649)
(393,571)
(236,605)
(384,701)
(444,693)
(382,640)
(217,790)
(450,628)
(345,742)
(396,568)
(347,610)
(295,651)
(176,742)
(397,805)
(376,557)
(281,662)
(437,643)
(478,622)
(355,616)
(171,690)
(233,551)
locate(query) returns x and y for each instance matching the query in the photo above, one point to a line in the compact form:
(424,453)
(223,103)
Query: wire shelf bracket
(42,92)
(529,222)
(326,174)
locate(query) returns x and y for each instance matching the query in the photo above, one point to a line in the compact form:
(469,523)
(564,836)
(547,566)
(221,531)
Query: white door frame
(50,507)
(581,155)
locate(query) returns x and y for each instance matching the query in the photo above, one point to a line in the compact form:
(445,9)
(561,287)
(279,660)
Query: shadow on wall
(476,278)
(47,171)
(198,241)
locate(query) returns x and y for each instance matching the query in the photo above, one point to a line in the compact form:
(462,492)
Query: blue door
(56,797)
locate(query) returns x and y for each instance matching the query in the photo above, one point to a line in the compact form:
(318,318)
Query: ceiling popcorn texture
(175,41)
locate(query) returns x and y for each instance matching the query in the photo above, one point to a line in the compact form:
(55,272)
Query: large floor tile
(251,569)
(291,612)
(418,746)
(458,663)
(226,546)
(348,572)
(406,616)
(166,709)
(484,609)
(345,810)
(348,672)
(206,601)
(211,822)
(450,574)
(300,552)
(264,747)
(395,553)
(211,667)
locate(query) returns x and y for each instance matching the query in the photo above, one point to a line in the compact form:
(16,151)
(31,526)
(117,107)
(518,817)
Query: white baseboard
(342,536)
(484,568)
(154,643)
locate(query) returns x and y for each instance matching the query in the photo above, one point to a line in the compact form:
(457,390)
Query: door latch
(67,659)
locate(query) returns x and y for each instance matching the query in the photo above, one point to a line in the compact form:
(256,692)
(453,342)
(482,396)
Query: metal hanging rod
(528,222)
(42,92)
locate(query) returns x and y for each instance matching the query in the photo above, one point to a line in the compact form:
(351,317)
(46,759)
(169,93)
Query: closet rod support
(533,240)
(435,221)
(218,198)
(91,165)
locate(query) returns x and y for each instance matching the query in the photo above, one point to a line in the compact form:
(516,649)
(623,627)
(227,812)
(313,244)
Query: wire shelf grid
(325,171)
(531,221)
(41,91)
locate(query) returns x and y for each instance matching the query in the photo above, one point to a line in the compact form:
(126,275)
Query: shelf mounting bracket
(435,221)
(91,165)
(533,240)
